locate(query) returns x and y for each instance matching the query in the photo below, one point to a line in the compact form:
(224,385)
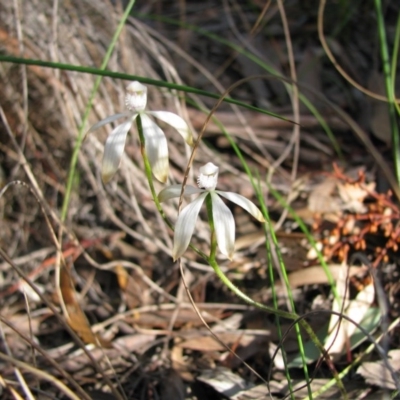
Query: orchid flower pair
(157,153)
(155,141)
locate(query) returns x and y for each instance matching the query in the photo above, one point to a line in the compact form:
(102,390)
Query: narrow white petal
(241,201)
(113,150)
(185,226)
(109,119)
(156,148)
(173,191)
(224,224)
(176,122)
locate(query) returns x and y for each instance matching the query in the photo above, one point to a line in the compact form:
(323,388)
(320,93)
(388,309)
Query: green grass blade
(389,86)
(129,77)
(395,58)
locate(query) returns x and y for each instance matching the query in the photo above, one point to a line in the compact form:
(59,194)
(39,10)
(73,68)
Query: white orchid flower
(224,222)
(155,141)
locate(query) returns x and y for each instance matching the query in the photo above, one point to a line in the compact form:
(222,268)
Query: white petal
(224,226)
(156,148)
(176,122)
(185,226)
(173,191)
(109,119)
(113,150)
(241,201)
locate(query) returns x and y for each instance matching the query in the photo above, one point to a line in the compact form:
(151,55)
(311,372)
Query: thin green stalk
(213,238)
(79,139)
(389,87)
(129,77)
(395,58)
(272,235)
(267,228)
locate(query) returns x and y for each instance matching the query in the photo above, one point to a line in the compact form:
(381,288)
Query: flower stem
(213,238)
(147,169)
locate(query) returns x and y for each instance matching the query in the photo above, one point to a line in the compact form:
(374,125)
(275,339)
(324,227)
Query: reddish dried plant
(371,225)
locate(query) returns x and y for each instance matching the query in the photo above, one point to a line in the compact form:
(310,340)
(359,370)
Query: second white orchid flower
(224,223)
(155,141)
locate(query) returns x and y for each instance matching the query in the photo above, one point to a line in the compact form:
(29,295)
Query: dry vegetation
(109,317)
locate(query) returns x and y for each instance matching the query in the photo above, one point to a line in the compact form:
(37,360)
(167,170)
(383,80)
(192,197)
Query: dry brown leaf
(316,275)
(24,324)
(179,363)
(321,199)
(161,318)
(376,373)
(137,343)
(204,344)
(209,343)
(132,285)
(76,318)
